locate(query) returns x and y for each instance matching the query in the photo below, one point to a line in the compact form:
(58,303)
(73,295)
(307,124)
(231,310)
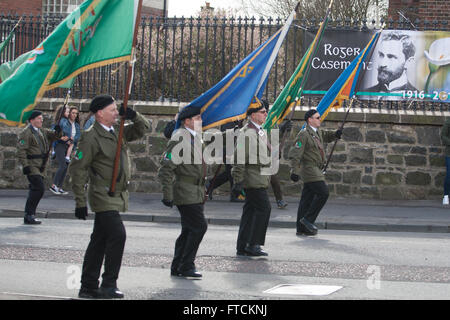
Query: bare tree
(354,10)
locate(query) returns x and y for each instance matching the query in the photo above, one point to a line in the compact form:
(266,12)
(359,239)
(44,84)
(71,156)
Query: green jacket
(94,162)
(249,161)
(183,176)
(306,158)
(33,154)
(445,136)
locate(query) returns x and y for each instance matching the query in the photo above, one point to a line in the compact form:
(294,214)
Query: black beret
(264,104)
(34,114)
(310,113)
(99,102)
(189,112)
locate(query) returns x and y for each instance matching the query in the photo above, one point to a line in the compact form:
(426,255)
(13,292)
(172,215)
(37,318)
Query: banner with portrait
(404,65)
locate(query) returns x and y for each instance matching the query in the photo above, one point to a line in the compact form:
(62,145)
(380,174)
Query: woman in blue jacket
(63,148)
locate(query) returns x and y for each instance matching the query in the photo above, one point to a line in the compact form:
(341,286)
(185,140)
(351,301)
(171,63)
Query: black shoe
(193,274)
(306,227)
(30,220)
(86,293)
(305,233)
(174,273)
(255,251)
(242,253)
(111,293)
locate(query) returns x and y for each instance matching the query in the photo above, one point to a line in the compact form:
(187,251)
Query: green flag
(5,43)
(8,68)
(97,33)
(292,91)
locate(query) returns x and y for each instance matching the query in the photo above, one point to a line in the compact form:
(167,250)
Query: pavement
(338,213)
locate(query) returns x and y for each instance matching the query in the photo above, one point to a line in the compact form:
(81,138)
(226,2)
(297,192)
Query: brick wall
(147,11)
(382,155)
(420,9)
(20,7)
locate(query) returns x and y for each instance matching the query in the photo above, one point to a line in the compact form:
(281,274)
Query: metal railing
(180,58)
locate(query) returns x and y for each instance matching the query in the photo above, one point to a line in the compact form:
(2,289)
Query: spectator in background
(90,119)
(63,148)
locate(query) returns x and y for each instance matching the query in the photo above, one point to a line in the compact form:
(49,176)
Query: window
(63,7)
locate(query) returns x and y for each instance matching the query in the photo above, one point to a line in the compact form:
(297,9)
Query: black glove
(130,114)
(294,177)
(237,189)
(26,170)
(338,133)
(81,213)
(167,203)
(57,128)
(285,126)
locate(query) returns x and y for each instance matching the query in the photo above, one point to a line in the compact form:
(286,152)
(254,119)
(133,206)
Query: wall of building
(34,7)
(20,7)
(421,9)
(154,7)
(383,154)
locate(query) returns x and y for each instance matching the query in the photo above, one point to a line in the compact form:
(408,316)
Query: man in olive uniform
(183,184)
(32,152)
(248,176)
(307,160)
(94,162)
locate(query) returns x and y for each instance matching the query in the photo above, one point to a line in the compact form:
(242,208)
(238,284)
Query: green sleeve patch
(79,155)
(298,144)
(22,142)
(167,156)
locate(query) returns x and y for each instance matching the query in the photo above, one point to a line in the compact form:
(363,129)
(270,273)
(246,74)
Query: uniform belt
(36,156)
(191,180)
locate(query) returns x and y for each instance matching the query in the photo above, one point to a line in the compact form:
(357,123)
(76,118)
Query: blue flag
(344,87)
(243,86)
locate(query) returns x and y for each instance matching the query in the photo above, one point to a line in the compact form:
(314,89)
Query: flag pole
(125,102)
(335,141)
(308,68)
(353,97)
(298,100)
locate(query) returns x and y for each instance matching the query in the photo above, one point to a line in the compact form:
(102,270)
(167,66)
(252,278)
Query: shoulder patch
(79,155)
(167,156)
(298,144)
(22,142)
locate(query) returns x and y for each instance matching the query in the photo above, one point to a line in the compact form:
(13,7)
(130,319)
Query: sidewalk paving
(338,213)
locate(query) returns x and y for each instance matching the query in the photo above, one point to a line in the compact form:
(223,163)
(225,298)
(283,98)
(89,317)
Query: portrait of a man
(393,56)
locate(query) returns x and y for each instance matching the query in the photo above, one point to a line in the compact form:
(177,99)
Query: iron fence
(180,58)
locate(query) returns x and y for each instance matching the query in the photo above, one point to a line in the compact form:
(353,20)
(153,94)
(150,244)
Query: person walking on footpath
(94,162)
(445,138)
(32,152)
(307,160)
(63,147)
(183,185)
(247,177)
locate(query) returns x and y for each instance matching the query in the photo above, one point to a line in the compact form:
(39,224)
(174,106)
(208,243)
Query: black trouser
(255,218)
(314,196)
(193,228)
(276,187)
(36,191)
(107,242)
(60,152)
